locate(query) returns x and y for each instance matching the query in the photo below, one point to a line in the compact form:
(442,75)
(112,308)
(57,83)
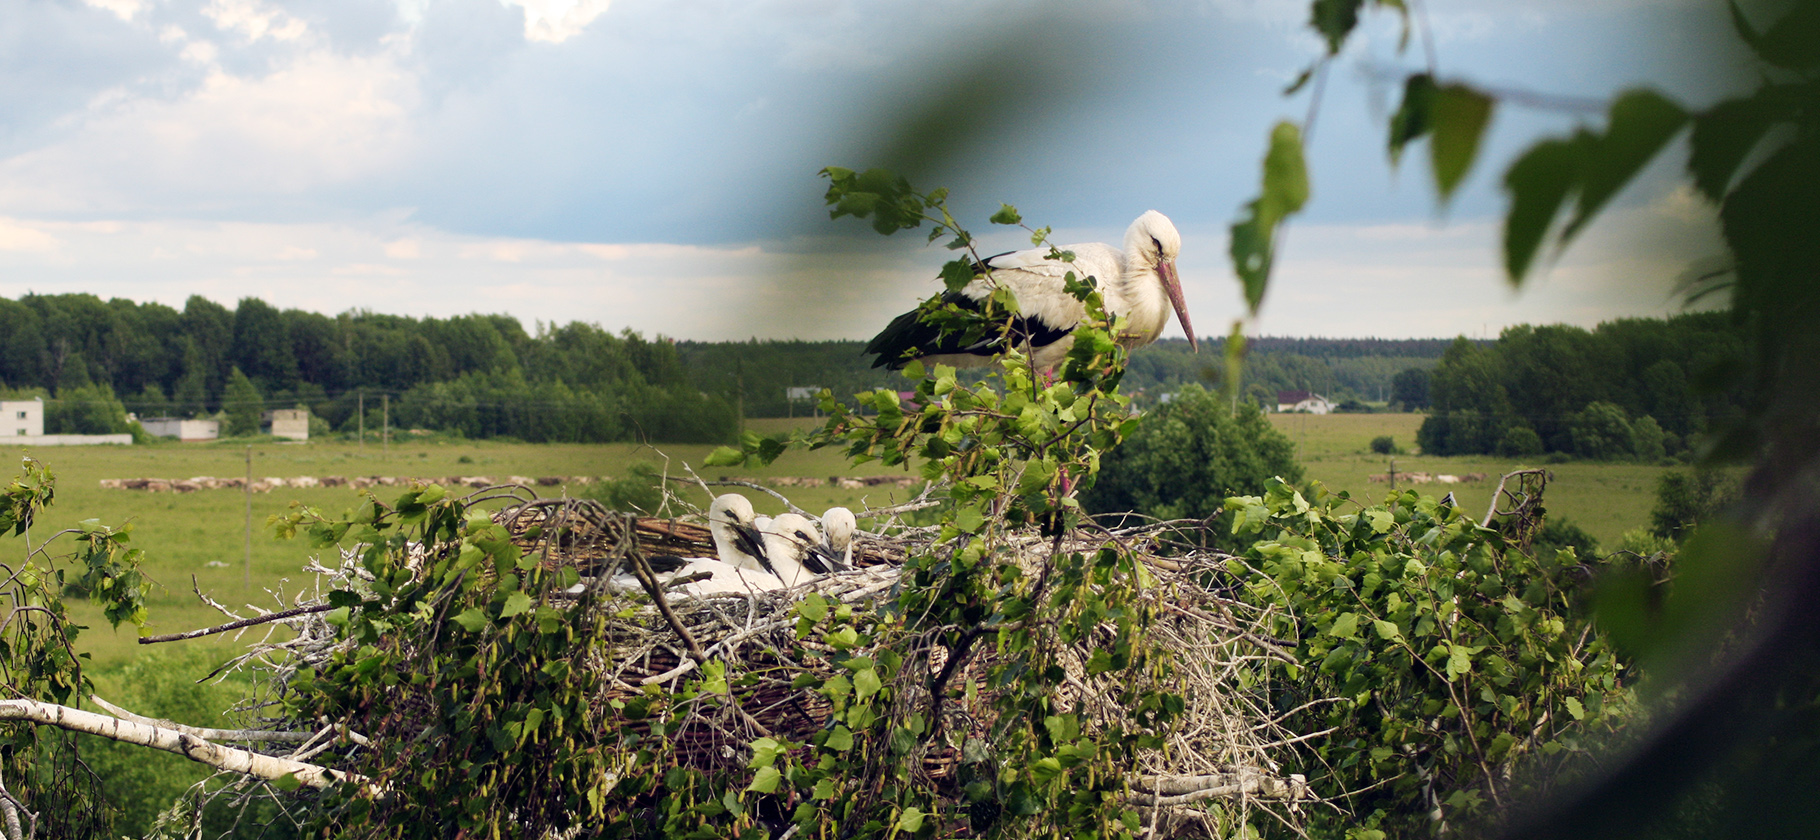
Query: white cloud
(253,20)
(556,21)
(17,237)
(123,9)
(317,121)
(404,249)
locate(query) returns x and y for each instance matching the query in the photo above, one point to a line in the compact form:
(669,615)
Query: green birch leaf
(1335,19)
(516,603)
(1574,708)
(1642,122)
(1538,184)
(1722,137)
(725,456)
(1285,190)
(472,619)
(840,739)
(1458,116)
(866,683)
(1387,630)
(1412,119)
(1346,626)
(765,780)
(910,821)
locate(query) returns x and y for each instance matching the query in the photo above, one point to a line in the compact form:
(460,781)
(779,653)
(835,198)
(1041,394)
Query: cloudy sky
(652,163)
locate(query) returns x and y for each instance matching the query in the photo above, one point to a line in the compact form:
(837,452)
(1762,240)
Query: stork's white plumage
(793,547)
(1138,283)
(737,540)
(839,524)
(721,578)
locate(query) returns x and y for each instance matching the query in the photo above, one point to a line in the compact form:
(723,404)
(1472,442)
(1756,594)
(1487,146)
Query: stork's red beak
(1173,285)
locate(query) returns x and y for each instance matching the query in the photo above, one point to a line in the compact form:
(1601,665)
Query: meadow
(198,540)
(1605,499)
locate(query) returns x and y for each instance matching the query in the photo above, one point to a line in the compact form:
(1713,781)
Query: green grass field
(201,536)
(1604,499)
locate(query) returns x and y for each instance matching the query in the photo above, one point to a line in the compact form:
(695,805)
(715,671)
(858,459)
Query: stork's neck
(1146,305)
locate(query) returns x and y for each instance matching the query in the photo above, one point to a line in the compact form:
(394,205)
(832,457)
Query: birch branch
(1181,790)
(231,759)
(203,732)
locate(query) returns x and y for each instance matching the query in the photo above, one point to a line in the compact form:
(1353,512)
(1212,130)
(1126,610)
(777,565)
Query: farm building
(21,418)
(293,423)
(181,429)
(1306,402)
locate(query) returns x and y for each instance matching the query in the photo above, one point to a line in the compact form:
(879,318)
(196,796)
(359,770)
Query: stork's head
(1152,241)
(794,546)
(730,520)
(840,524)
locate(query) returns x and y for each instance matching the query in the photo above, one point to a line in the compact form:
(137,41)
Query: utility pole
(248,488)
(363,420)
(739,393)
(1393,475)
(385,424)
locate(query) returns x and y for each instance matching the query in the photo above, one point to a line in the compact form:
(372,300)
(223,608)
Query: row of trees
(482,375)
(1634,388)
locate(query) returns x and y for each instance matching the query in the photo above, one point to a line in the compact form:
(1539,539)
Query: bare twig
(236,625)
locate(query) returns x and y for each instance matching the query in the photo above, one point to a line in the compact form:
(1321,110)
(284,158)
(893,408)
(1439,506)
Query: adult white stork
(839,524)
(1138,283)
(793,547)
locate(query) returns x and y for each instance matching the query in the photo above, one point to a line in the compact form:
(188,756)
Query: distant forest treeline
(486,376)
(475,375)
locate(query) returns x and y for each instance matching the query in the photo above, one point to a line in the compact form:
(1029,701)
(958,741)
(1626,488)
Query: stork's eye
(1159,245)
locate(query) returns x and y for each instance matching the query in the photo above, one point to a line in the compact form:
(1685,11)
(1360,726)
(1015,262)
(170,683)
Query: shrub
(1684,500)
(1188,456)
(1602,432)
(1384,445)
(1559,533)
(1519,442)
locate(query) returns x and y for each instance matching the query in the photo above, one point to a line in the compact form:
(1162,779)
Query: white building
(293,423)
(181,429)
(22,424)
(1306,402)
(21,418)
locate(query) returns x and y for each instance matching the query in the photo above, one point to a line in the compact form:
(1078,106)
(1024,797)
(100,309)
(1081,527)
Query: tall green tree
(243,404)
(262,345)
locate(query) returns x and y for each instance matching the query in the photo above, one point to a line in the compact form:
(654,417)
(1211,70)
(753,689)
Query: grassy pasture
(201,535)
(1605,499)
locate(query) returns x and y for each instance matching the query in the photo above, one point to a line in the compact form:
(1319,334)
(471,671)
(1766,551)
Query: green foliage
(1284,191)
(640,489)
(474,690)
(243,405)
(1461,671)
(1519,441)
(1410,387)
(1188,456)
(85,410)
(1560,533)
(143,783)
(1384,445)
(1601,432)
(1685,499)
(38,661)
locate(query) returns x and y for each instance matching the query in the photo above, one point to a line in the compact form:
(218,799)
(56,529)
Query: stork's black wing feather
(662,563)
(908,337)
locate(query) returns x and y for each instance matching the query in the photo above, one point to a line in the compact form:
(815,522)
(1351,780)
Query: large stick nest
(1223,748)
